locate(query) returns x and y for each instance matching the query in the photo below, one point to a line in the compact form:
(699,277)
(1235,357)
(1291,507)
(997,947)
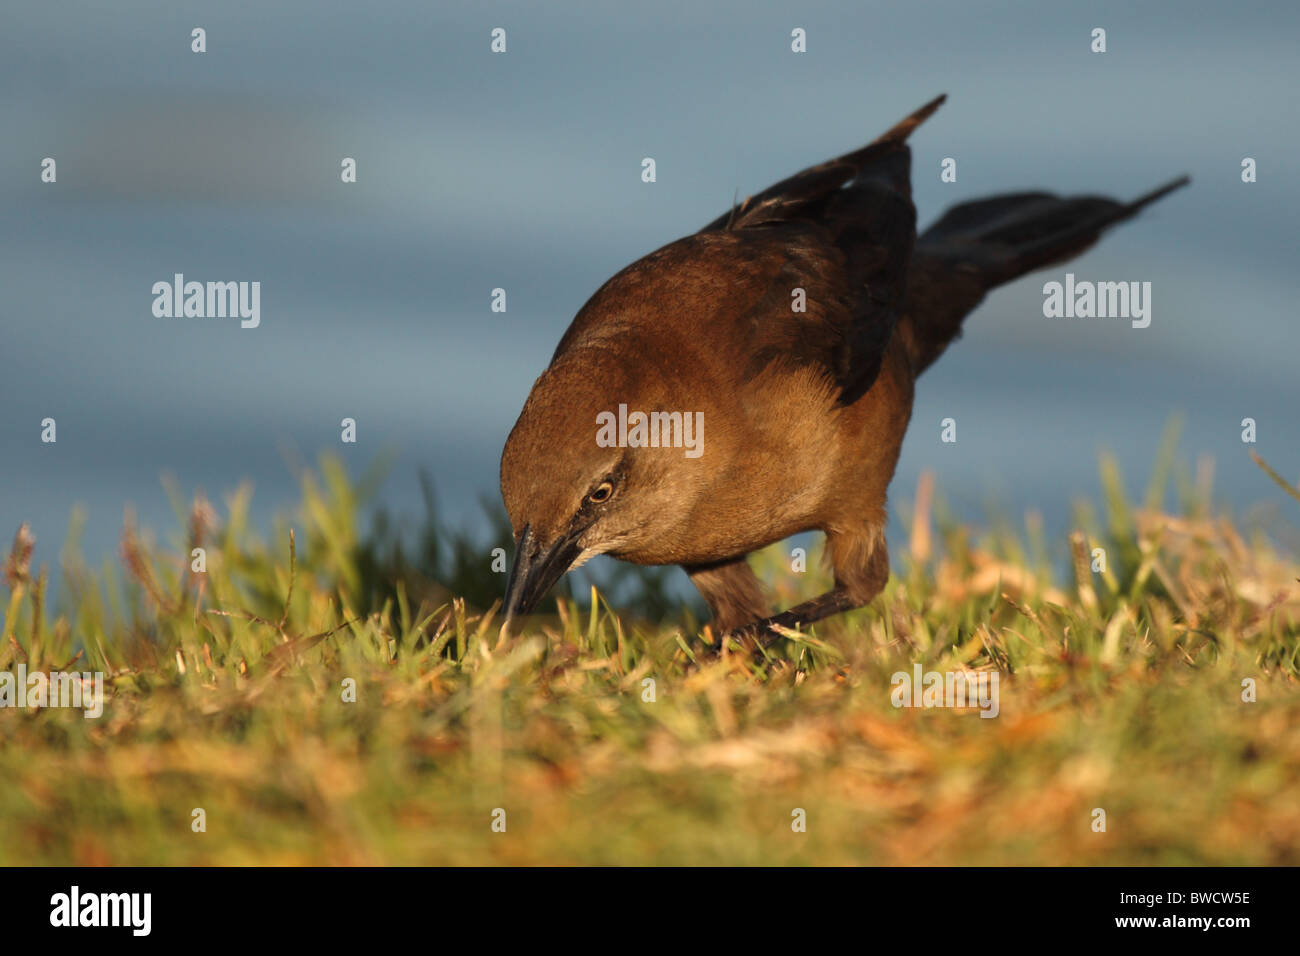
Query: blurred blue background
(522,171)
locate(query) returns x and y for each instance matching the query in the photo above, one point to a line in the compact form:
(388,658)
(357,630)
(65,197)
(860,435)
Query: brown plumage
(803,412)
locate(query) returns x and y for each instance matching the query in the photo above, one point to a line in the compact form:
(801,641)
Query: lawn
(288,704)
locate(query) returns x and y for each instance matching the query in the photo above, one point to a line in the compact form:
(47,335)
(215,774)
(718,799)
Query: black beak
(536,569)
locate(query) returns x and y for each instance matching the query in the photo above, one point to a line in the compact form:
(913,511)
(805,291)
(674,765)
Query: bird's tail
(980,245)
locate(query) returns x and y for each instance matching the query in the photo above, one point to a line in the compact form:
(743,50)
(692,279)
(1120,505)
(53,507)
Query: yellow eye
(601,492)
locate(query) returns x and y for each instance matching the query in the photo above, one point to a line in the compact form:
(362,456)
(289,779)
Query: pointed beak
(536,569)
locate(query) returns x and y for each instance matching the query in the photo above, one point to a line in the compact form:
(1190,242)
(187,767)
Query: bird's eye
(602,492)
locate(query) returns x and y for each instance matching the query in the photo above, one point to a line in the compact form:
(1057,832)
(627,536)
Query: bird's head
(570,493)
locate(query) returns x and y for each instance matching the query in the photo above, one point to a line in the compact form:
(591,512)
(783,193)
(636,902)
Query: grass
(1120,690)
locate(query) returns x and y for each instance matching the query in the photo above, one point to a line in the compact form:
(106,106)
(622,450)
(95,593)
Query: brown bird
(754,380)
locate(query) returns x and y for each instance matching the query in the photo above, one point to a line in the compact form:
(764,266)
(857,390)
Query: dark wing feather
(799,196)
(852,216)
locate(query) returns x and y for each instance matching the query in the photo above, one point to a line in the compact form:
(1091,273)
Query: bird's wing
(849,222)
(803,195)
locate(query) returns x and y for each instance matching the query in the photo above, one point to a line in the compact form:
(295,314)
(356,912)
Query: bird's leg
(861,570)
(731,590)
(825,605)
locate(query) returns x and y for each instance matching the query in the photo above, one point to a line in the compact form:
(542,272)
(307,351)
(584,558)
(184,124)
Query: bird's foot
(756,639)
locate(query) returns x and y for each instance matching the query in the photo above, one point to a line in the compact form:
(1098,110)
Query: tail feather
(977,246)
(1158,193)
(1006,236)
